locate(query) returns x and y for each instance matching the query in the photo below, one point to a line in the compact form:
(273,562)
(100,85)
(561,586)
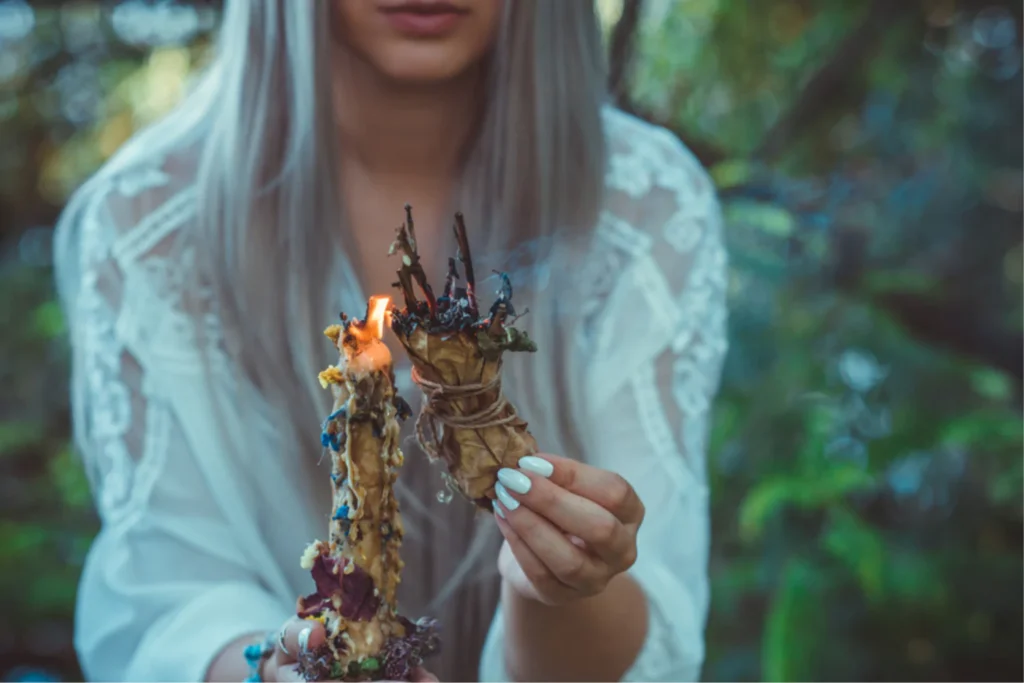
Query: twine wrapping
(440,405)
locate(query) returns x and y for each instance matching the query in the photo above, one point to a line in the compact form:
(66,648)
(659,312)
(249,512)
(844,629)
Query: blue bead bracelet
(255,654)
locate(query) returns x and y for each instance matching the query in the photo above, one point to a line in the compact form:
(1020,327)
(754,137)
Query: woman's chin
(423,66)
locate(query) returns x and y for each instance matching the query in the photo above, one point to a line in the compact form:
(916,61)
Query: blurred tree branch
(621,50)
(835,82)
(951,322)
(947,317)
(961,325)
(708,153)
(832,82)
(821,92)
(620,58)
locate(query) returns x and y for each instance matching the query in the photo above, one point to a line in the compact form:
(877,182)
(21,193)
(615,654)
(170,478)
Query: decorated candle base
(353,652)
(395,663)
(357,572)
(356,628)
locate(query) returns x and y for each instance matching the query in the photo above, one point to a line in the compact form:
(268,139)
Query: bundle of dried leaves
(456,354)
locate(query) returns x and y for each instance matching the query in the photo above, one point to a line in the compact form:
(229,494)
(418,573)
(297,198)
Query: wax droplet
(449,488)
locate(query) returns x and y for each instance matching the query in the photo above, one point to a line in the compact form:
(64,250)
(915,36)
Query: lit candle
(358,570)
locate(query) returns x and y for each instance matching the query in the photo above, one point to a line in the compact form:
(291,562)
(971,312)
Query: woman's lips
(423,19)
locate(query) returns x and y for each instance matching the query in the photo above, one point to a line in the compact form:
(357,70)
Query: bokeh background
(867,449)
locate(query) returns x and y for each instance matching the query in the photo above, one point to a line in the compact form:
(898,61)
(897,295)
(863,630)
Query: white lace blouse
(189,558)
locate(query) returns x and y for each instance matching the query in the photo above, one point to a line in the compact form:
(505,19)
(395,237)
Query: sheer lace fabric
(648,348)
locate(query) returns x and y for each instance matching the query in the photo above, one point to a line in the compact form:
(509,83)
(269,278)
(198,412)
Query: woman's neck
(403,131)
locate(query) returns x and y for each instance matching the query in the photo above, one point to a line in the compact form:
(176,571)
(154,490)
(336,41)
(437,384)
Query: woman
(200,265)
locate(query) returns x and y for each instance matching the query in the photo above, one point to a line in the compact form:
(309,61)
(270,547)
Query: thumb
(298,635)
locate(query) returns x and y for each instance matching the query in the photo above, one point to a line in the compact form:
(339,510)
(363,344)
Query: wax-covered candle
(357,571)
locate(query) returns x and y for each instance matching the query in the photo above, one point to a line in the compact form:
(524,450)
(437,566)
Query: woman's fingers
(562,559)
(607,489)
(302,634)
(295,636)
(540,583)
(602,532)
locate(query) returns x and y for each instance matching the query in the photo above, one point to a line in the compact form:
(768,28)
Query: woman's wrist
(595,638)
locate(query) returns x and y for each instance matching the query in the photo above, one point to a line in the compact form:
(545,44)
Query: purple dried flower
(427,636)
(357,599)
(358,603)
(316,664)
(311,605)
(398,654)
(402,655)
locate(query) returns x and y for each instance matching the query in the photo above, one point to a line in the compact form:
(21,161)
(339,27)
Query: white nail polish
(531,463)
(304,639)
(498,511)
(505,497)
(514,480)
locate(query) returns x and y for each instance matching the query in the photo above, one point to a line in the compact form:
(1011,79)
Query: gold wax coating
(365,527)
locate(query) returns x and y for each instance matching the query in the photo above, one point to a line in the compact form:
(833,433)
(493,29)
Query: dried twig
(462,240)
(411,270)
(449,281)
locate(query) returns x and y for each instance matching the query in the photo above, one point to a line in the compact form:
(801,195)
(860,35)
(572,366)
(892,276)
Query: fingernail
(498,511)
(304,639)
(506,499)
(514,480)
(531,463)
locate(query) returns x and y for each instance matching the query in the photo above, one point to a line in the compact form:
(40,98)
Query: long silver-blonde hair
(268,200)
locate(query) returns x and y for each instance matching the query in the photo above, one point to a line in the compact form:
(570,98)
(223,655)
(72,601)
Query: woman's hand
(299,635)
(569,528)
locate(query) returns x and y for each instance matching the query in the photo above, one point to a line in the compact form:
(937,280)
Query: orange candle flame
(377,316)
(363,342)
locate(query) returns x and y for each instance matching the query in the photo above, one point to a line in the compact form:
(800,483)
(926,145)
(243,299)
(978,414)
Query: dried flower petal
(311,605)
(358,603)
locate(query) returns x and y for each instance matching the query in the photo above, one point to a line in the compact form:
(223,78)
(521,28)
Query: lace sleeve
(648,352)
(122,436)
(657,350)
(165,585)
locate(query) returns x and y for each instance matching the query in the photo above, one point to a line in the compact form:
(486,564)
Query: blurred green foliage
(866,461)
(867,452)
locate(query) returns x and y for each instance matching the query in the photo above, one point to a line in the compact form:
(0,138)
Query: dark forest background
(867,450)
